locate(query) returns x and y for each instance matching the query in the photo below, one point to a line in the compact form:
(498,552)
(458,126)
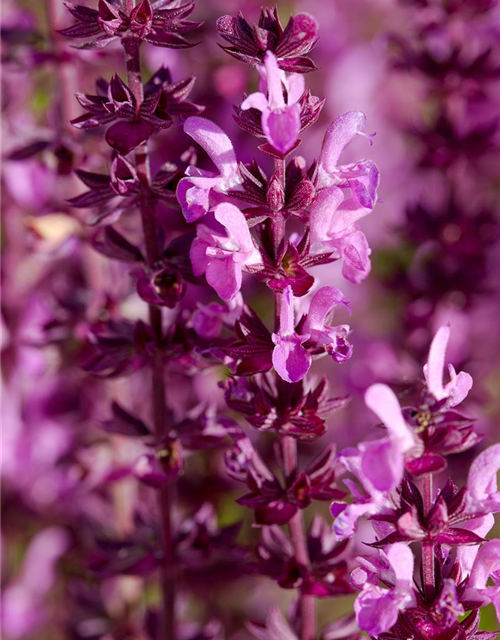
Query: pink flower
(486,566)
(378,465)
(333,339)
(194,192)
(482,483)
(220,251)
(333,218)
(290,359)
(377,608)
(362,178)
(333,226)
(209,319)
(280,118)
(25,601)
(456,390)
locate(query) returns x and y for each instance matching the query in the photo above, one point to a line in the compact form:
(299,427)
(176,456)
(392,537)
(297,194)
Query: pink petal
(282,127)
(296,85)
(433,370)
(382,464)
(482,480)
(466,555)
(225,277)
(401,559)
(486,563)
(274,84)
(383,402)
(338,136)
(290,359)
(323,213)
(215,142)
(255,101)
(356,265)
(324,300)
(234,221)
(198,256)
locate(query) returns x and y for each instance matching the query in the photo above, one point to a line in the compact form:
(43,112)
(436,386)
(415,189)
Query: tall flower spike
(221,252)
(333,339)
(459,385)
(290,359)
(280,118)
(194,191)
(376,608)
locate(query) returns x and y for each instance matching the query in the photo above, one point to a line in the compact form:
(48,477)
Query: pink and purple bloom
(221,249)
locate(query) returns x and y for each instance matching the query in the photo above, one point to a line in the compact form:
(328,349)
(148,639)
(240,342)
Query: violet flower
(377,608)
(280,117)
(194,191)
(290,358)
(220,251)
(456,390)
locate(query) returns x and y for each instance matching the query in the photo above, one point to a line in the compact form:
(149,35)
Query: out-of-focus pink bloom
(194,192)
(29,182)
(24,608)
(377,608)
(459,385)
(221,251)
(485,567)
(290,359)
(333,339)
(482,481)
(333,225)
(280,118)
(378,465)
(209,319)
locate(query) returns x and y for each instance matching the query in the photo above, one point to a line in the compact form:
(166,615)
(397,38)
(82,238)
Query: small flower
(194,192)
(222,250)
(456,390)
(290,359)
(377,608)
(330,339)
(280,118)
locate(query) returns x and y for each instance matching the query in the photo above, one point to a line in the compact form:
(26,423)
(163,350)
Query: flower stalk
(147,208)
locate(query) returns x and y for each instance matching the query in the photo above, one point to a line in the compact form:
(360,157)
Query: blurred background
(427,75)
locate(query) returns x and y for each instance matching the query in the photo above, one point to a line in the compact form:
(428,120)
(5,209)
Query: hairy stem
(307,606)
(428,569)
(166,629)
